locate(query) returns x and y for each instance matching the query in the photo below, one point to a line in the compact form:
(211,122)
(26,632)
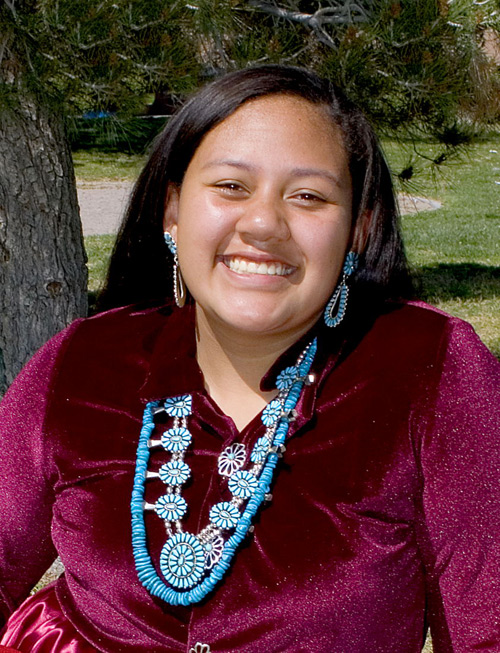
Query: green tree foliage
(417,67)
(98,53)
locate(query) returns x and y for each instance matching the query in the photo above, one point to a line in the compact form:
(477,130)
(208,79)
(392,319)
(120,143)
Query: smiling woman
(316,447)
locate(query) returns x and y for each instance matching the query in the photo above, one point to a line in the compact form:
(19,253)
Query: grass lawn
(455,250)
(94,165)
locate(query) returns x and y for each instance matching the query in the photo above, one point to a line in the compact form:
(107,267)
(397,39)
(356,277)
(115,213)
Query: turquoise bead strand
(144,566)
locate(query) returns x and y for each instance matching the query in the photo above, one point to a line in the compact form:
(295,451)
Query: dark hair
(141,266)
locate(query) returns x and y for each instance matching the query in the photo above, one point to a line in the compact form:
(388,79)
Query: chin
(259,318)
(256,325)
(248,321)
(265,324)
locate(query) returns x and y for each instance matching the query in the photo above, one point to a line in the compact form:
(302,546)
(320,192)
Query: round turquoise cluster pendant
(182,560)
(192,564)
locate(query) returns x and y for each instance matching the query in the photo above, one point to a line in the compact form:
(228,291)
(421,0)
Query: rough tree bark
(43,275)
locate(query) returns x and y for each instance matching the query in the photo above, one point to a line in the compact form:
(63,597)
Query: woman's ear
(171,210)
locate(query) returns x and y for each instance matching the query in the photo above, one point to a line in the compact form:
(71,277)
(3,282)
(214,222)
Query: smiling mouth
(244,266)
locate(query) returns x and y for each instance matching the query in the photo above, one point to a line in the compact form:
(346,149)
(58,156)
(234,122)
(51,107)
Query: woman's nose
(264,218)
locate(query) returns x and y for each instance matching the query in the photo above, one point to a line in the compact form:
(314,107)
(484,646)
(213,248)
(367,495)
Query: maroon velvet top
(385,511)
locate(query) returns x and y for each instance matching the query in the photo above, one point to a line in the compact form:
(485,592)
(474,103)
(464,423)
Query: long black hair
(141,265)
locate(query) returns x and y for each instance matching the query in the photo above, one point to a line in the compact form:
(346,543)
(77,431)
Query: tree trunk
(43,276)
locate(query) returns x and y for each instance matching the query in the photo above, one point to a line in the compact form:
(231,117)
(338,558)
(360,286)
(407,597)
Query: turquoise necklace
(192,564)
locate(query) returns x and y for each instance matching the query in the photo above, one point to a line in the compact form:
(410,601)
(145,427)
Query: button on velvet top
(385,510)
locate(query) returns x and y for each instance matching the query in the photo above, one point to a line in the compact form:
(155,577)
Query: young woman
(296,458)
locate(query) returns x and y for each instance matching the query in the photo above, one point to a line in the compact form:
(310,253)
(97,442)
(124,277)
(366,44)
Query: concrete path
(102,204)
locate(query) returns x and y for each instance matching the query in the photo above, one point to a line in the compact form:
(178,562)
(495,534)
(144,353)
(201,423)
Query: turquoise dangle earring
(179,286)
(339,298)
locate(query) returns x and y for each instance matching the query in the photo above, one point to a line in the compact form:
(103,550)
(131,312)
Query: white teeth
(251,267)
(237,265)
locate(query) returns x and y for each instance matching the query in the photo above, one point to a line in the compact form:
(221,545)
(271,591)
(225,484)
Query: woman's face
(263,217)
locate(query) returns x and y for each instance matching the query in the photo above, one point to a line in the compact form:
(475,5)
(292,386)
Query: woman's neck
(233,365)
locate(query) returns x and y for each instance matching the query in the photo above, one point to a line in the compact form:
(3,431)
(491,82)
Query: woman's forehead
(275,106)
(277,125)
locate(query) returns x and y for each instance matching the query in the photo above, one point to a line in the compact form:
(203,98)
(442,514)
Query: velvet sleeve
(459,454)
(26,493)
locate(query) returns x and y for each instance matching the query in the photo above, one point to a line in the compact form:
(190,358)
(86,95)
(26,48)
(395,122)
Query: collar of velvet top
(174,369)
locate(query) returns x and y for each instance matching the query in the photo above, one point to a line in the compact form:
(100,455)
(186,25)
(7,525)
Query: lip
(260,264)
(258,257)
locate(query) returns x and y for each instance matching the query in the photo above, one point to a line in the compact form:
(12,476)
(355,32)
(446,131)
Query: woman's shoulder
(122,327)
(412,337)
(141,316)
(417,314)
(101,337)
(417,325)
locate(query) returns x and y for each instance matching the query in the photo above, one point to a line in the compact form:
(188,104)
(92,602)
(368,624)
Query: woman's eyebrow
(316,172)
(295,172)
(230,162)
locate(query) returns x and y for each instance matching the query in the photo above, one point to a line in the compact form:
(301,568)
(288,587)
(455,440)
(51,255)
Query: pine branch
(4,47)
(152,23)
(343,13)
(10,5)
(404,83)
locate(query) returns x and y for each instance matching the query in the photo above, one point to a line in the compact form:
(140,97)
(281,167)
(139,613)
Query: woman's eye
(230,187)
(309,197)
